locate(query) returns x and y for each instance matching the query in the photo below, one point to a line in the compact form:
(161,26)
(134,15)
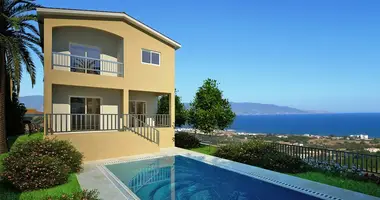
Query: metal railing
(60,123)
(143,129)
(364,162)
(156,120)
(57,123)
(87,65)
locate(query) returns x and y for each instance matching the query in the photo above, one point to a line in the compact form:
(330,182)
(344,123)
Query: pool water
(183,178)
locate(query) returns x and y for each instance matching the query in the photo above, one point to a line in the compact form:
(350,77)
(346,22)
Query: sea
(316,124)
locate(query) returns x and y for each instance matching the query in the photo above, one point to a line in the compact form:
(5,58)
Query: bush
(185,140)
(60,149)
(34,172)
(83,195)
(261,154)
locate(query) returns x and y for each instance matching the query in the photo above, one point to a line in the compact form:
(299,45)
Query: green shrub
(83,195)
(261,154)
(34,172)
(60,149)
(185,140)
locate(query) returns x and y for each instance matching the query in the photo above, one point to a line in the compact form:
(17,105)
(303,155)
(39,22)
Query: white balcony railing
(87,65)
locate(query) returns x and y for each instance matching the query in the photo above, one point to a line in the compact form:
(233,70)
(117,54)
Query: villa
(103,74)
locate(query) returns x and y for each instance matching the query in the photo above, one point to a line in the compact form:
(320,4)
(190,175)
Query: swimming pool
(178,177)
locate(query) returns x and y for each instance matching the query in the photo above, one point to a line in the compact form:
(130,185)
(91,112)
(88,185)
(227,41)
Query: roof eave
(112,15)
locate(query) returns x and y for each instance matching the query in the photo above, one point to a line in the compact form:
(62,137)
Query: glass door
(141,111)
(93,114)
(138,110)
(85,113)
(78,111)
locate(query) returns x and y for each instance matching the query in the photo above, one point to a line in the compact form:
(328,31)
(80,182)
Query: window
(85,59)
(150,57)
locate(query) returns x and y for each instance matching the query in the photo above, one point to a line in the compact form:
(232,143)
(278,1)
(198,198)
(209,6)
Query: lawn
(358,186)
(349,184)
(205,149)
(8,193)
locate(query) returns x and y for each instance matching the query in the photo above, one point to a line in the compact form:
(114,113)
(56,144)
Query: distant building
(32,111)
(373,150)
(361,136)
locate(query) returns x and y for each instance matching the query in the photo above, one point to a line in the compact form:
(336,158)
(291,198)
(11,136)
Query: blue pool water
(183,178)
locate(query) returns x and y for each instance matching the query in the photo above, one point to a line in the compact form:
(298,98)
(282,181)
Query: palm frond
(19,39)
(21,8)
(27,60)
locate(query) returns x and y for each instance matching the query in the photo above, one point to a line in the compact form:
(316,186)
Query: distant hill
(246,108)
(37,102)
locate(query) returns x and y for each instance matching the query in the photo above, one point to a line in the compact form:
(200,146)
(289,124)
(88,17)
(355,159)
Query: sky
(313,55)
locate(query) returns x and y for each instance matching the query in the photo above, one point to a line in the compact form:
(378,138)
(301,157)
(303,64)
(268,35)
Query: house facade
(103,75)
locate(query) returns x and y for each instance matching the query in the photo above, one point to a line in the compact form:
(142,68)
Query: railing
(156,120)
(56,123)
(143,129)
(60,123)
(87,65)
(364,162)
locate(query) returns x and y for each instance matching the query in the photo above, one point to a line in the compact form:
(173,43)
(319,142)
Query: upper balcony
(87,50)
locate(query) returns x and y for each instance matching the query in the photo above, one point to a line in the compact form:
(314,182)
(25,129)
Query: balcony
(82,64)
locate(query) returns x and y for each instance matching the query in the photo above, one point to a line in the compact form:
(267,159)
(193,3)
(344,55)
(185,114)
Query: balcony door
(85,113)
(137,109)
(84,59)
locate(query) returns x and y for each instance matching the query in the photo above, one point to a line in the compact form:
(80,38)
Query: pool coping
(304,186)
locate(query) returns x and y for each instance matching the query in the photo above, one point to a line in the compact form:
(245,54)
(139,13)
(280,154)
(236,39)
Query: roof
(41,11)
(33,111)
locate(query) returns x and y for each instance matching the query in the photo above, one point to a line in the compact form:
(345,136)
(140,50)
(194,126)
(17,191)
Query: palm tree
(18,37)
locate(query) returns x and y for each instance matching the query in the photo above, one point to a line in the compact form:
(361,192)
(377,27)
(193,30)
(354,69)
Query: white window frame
(150,63)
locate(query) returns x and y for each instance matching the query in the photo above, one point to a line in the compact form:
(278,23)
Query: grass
(9,193)
(349,184)
(205,149)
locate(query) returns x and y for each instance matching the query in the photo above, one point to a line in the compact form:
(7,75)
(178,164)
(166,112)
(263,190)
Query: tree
(180,111)
(15,112)
(18,37)
(210,111)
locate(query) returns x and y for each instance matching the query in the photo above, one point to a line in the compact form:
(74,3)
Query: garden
(265,155)
(38,168)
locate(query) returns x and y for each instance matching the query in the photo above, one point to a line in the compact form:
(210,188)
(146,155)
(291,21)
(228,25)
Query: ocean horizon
(338,124)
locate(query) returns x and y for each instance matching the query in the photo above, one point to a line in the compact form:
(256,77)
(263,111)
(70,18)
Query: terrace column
(48,88)
(172,109)
(125,107)
(47,105)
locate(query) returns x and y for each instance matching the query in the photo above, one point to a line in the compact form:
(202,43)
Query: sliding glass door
(138,110)
(85,113)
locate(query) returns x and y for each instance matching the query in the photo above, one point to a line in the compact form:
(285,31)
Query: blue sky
(314,55)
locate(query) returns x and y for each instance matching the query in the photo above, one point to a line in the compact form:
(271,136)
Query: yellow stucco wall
(104,145)
(166,137)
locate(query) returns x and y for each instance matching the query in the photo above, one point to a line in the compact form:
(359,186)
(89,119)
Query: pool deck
(96,176)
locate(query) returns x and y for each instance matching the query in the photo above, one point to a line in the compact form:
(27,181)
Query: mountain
(245,108)
(35,101)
